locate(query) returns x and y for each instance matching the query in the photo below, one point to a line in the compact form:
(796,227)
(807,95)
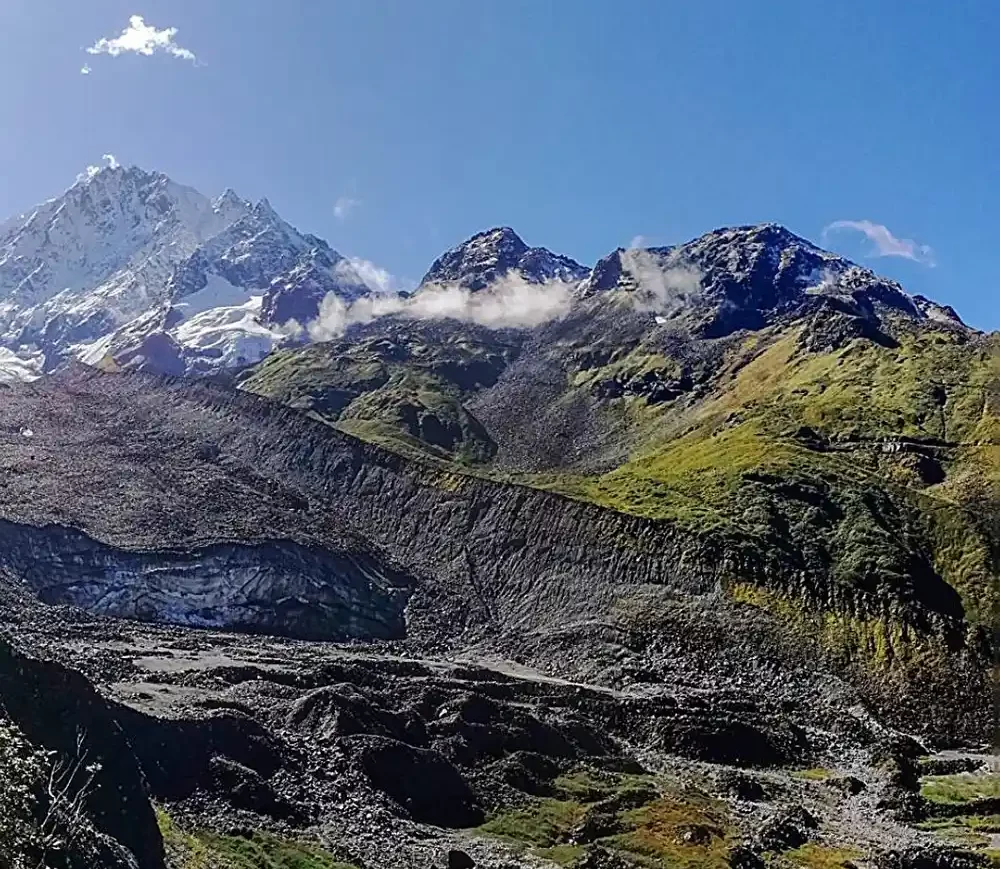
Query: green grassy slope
(403,388)
(871,467)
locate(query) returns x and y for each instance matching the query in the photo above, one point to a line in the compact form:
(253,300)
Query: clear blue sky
(581,124)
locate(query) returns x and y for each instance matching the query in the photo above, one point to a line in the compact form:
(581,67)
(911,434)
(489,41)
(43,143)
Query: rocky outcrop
(496,253)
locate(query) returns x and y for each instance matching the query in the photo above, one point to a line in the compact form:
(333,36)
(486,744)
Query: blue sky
(581,124)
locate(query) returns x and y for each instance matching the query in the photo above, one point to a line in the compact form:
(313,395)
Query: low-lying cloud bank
(665,284)
(509,303)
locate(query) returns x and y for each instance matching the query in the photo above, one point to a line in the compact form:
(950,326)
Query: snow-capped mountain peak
(124,252)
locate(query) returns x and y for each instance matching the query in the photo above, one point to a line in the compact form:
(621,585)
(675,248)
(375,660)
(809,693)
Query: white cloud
(372,276)
(664,283)
(343,207)
(91,171)
(510,302)
(884,242)
(144,39)
(85,69)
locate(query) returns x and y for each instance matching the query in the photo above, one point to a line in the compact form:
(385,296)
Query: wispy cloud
(85,69)
(883,241)
(372,276)
(343,207)
(664,282)
(144,39)
(111,163)
(509,302)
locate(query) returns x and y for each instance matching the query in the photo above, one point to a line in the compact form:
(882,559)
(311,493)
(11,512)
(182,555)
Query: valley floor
(276,753)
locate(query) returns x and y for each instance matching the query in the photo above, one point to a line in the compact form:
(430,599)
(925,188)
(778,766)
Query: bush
(43,822)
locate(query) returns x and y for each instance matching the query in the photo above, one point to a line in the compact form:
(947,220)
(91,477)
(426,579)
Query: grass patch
(681,830)
(562,855)
(589,786)
(676,834)
(813,856)
(208,850)
(968,830)
(815,774)
(542,825)
(961,788)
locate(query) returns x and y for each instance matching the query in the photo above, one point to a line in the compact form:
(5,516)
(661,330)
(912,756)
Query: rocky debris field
(375,755)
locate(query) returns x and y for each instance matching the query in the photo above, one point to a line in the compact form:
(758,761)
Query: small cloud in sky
(375,277)
(111,162)
(85,69)
(141,38)
(343,207)
(883,241)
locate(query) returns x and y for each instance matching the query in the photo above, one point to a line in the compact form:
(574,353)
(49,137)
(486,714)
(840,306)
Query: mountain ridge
(695,567)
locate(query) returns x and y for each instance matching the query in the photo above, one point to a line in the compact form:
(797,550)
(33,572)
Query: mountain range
(686,558)
(128,265)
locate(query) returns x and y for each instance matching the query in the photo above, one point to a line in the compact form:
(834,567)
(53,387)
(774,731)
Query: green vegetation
(816,774)
(813,856)
(207,850)
(403,391)
(43,805)
(970,831)
(543,823)
(25,769)
(676,832)
(962,792)
(655,828)
(591,786)
(872,468)
(961,788)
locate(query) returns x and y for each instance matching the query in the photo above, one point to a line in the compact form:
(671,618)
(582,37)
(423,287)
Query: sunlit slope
(861,459)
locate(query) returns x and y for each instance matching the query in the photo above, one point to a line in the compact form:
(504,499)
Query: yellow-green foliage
(681,828)
(389,390)
(878,646)
(635,363)
(967,830)
(542,824)
(588,786)
(734,459)
(962,787)
(207,850)
(674,833)
(814,856)
(814,774)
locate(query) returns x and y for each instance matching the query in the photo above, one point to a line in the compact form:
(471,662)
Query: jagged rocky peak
(229,204)
(745,276)
(495,253)
(266,256)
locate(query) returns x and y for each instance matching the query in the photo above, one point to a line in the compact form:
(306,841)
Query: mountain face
(497,253)
(746,382)
(745,277)
(699,570)
(129,265)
